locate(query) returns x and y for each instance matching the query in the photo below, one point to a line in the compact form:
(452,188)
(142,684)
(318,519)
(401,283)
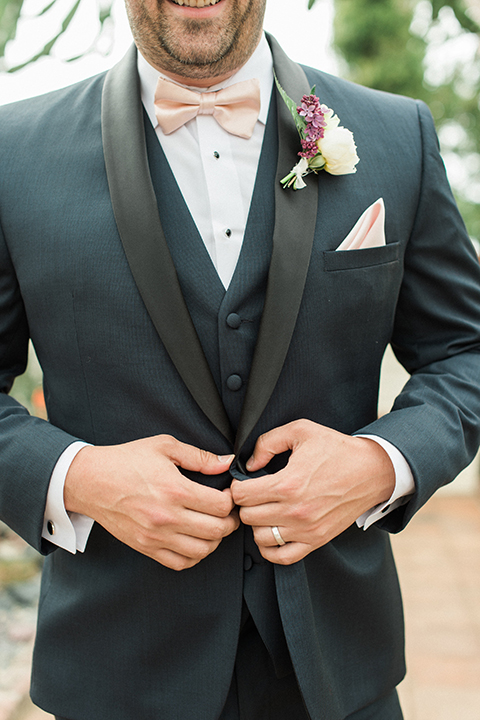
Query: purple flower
(318,121)
(314,114)
(309,107)
(315,132)
(310,149)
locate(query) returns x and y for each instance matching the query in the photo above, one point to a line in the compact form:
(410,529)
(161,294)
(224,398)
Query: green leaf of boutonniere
(292,106)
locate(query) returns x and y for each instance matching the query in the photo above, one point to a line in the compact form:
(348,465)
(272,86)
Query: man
(187,313)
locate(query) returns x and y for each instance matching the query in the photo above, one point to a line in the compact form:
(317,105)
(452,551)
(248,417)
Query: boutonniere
(326,145)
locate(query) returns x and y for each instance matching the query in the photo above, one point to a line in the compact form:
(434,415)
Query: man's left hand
(330,480)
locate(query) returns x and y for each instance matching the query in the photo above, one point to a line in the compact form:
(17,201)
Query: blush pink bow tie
(235,108)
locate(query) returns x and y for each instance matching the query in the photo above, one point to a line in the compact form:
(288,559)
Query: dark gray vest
(227,325)
(226,321)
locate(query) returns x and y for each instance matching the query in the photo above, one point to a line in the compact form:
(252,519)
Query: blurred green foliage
(373,36)
(10,11)
(9,14)
(386,44)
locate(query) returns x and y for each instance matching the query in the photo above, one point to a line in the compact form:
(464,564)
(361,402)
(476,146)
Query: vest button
(247,563)
(234,382)
(234,321)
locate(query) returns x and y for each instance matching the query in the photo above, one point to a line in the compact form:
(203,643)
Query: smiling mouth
(195,3)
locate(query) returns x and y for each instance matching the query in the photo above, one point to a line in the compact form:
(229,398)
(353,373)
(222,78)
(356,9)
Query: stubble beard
(197,50)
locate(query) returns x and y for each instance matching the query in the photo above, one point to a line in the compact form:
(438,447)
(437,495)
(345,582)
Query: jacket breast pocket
(360,289)
(335,260)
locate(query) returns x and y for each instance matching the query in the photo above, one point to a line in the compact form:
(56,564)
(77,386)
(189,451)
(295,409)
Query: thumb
(268,445)
(190,457)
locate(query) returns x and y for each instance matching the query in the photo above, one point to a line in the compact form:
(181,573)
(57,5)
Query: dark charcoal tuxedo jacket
(102,267)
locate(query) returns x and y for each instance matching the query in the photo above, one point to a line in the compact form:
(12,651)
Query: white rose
(339,151)
(330,118)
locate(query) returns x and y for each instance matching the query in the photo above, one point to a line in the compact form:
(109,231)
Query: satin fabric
(235,108)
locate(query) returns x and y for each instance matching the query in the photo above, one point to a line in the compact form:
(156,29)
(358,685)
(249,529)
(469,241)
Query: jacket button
(234,382)
(247,563)
(234,321)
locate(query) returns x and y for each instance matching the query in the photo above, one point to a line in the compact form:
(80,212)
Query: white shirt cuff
(404,485)
(69,531)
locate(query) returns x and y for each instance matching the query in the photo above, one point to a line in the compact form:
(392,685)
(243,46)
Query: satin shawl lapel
(138,222)
(295,218)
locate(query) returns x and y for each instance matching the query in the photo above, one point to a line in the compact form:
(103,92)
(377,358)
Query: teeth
(196,3)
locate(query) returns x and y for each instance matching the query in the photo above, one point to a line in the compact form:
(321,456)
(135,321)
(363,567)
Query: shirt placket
(224,194)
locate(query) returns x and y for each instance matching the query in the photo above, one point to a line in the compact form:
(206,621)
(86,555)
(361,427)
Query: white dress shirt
(215,172)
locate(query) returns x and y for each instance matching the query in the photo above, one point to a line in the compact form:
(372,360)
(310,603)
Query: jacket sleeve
(29,446)
(435,421)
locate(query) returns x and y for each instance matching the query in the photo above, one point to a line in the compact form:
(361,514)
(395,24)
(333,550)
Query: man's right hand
(136,492)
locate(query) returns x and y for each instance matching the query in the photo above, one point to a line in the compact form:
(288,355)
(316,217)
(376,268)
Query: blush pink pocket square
(369,230)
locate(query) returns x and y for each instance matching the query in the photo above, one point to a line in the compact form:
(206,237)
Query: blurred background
(427,49)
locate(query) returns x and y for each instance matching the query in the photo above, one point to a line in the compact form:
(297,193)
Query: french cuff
(404,485)
(69,531)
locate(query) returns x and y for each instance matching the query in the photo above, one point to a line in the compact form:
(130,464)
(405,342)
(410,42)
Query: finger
(271,443)
(228,493)
(207,527)
(256,491)
(173,560)
(204,499)
(194,548)
(155,545)
(264,536)
(190,457)
(287,554)
(263,515)
(235,516)
(192,535)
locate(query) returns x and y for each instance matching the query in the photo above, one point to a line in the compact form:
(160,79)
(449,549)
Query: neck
(196,82)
